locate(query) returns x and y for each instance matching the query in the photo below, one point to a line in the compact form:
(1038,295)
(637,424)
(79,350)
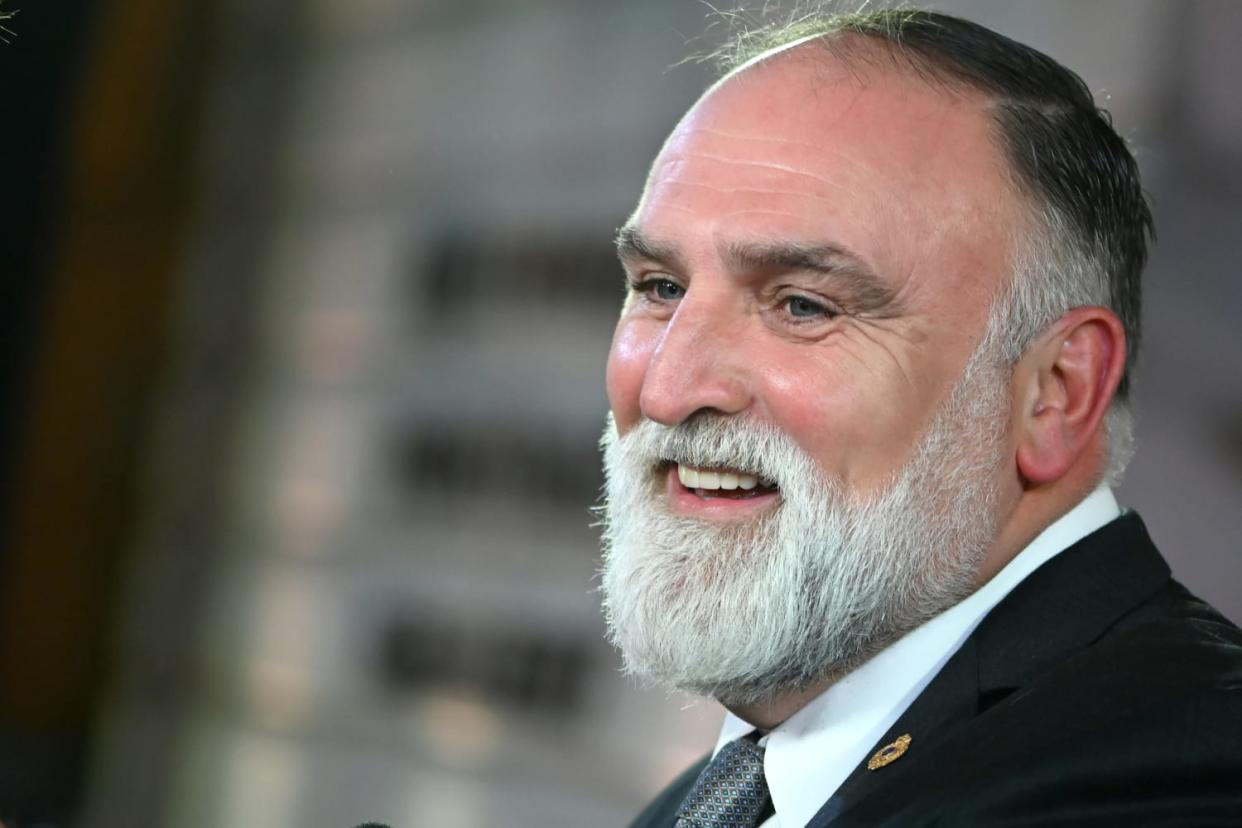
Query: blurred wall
(362,582)
(97,110)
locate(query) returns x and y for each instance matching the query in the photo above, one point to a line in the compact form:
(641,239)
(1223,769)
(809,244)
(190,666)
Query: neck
(769,713)
(1032,510)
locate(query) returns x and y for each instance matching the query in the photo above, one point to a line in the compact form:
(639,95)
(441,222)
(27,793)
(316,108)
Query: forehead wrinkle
(737,190)
(771,165)
(686,152)
(683,178)
(733,136)
(690,168)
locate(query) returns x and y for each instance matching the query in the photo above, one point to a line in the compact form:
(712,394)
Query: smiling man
(869,390)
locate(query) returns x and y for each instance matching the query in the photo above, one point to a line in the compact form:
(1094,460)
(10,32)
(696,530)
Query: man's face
(813,259)
(894,195)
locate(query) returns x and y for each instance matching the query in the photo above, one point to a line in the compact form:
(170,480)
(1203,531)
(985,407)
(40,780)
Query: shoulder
(1141,727)
(1123,755)
(1172,646)
(1165,680)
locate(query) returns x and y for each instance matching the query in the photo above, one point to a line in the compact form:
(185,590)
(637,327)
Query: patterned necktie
(730,792)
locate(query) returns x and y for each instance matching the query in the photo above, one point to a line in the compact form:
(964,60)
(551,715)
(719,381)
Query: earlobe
(1069,376)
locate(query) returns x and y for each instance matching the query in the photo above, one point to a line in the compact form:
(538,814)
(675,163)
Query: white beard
(744,612)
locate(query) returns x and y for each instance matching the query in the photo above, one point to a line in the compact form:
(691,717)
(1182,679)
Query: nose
(699,364)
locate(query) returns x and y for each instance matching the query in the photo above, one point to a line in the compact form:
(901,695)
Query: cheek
(857,426)
(819,412)
(632,347)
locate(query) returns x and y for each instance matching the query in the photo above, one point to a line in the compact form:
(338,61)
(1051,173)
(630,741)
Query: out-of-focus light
(264,777)
(278,695)
(307,515)
(462,732)
(279,676)
(444,800)
(333,344)
(319,468)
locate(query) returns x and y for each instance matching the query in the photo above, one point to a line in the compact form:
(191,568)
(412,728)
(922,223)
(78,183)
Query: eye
(801,307)
(668,291)
(659,290)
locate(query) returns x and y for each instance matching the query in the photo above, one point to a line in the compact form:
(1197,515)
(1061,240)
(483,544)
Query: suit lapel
(1058,610)
(950,700)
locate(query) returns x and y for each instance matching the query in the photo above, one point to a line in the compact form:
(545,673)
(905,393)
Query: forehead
(901,172)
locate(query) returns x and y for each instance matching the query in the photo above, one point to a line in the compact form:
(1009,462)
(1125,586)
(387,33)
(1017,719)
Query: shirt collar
(810,754)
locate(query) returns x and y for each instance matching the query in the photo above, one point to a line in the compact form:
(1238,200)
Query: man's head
(903,258)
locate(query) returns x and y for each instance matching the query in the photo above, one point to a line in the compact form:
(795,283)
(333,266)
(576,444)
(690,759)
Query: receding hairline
(863,53)
(870,46)
(869,57)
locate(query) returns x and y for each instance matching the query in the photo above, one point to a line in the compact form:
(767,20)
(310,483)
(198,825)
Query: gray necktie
(730,792)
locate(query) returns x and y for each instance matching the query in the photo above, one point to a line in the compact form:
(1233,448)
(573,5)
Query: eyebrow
(865,290)
(633,244)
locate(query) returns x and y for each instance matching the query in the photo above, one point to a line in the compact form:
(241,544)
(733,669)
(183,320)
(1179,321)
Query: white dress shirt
(812,752)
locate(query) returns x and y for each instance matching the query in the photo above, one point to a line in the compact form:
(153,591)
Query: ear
(1067,380)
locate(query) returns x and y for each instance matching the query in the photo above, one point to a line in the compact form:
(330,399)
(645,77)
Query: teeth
(693,478)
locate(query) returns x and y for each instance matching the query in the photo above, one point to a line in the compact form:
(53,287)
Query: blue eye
(667,291)
(659,290)
(803,308)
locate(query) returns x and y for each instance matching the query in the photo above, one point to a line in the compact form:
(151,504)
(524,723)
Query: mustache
(711,440)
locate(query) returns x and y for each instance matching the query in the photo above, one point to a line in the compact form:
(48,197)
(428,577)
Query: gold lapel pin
(889,753)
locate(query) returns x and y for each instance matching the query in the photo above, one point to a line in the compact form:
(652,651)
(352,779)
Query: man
(869,389)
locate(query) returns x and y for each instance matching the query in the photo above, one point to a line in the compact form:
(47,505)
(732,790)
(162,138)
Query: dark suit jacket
(1098,692)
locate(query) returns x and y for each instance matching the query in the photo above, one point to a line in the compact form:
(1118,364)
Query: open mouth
(725,483)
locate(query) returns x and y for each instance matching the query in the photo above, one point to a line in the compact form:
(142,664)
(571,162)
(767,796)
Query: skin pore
(818,249)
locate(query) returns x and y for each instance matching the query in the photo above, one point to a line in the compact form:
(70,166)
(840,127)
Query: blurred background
(305,308)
